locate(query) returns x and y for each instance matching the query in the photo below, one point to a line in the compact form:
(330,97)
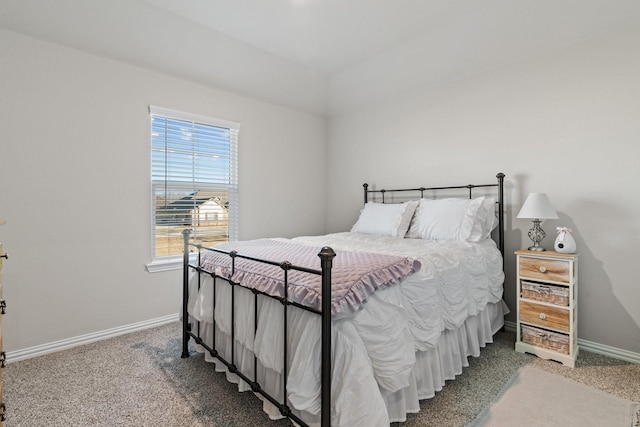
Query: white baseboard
(616,353)
(39,350)
(509,326)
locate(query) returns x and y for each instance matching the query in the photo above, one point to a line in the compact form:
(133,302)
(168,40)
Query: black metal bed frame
(469,187)
(326,256)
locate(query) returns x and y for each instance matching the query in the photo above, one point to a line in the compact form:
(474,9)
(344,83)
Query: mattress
(399,348)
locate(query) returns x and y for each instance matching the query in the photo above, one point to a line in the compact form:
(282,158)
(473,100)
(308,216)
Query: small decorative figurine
(565,243)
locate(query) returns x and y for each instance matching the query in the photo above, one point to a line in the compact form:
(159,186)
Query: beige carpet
(534,397)
(139,380)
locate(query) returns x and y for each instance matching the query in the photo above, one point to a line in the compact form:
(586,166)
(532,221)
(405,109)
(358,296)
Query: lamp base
(536,234)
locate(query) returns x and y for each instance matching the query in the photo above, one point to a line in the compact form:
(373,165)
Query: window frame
(172,262)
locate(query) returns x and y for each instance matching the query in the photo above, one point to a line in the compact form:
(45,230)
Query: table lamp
(537,207)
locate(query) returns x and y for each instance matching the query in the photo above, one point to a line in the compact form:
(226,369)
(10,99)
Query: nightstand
(547,292)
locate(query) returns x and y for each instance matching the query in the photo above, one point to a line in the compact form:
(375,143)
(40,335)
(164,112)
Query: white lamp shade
(537,206)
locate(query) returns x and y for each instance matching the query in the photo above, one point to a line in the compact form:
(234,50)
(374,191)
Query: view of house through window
(194,180)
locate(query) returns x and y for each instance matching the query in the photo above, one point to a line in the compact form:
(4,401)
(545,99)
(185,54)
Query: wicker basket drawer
(545,269)
(553,294)
(545,339)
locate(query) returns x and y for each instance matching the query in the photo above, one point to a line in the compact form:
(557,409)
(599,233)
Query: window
(194,176)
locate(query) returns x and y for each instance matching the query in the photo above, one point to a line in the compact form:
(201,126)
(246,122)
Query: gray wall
(75,176)
(566,122)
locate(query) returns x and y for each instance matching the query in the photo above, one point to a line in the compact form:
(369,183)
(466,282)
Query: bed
(414,288)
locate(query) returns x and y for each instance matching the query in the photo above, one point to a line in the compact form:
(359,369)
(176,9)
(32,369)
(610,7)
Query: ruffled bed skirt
(430,371)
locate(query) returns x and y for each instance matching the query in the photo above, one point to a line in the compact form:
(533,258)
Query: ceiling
(293,51)
(333,35)
(324,35)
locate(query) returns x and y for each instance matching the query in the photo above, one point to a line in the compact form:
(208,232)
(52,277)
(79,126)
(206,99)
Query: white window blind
(194,175)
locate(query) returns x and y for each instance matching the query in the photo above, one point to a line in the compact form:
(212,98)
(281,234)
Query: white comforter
(375,349)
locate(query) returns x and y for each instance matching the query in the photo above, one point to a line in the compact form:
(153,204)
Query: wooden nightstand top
(545,254)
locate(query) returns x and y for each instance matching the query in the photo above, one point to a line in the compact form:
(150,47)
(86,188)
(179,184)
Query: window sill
(168,264)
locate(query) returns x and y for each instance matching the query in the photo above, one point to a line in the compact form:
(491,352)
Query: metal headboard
(470,187)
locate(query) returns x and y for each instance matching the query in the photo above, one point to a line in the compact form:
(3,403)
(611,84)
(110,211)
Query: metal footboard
(326,256)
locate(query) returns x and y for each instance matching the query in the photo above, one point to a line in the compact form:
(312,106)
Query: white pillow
(485,221)
(385,219)
(445,219)
(407,216)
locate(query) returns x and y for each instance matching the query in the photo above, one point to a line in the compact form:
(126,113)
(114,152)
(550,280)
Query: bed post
(366,192)
(500,177)
(326,260)
(185,293)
